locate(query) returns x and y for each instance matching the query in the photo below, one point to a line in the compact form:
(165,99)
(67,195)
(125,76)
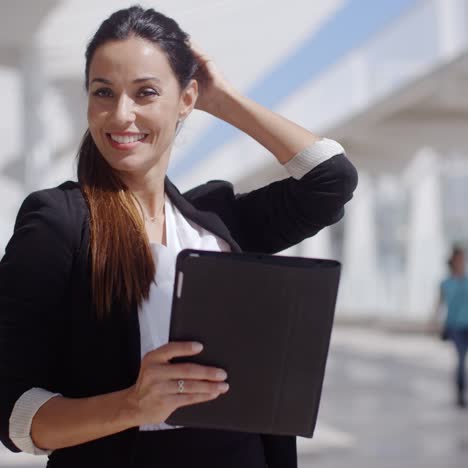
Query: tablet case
(267,321)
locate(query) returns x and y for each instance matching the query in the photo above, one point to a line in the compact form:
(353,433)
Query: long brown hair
(122,266)
(121,260)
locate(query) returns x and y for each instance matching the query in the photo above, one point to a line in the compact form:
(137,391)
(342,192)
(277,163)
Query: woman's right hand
(155,394)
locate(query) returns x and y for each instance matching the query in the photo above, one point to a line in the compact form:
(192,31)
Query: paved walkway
(387,402)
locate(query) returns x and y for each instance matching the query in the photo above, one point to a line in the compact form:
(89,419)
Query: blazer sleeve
(34,279)
(282,214)
(286,212)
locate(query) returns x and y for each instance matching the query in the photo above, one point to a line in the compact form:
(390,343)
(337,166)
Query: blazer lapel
(206,219)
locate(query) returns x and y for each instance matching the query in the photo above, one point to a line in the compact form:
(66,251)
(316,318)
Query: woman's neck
(148,189)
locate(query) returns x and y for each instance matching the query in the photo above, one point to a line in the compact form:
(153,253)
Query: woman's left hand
(213,86)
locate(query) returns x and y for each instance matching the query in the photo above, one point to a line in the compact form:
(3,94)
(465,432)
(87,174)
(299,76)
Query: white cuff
(21,418)
(311,156)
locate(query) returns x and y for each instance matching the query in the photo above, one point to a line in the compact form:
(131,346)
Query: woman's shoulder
(66,194)
(207,188)
(66,187)
(63,204)
(210,194)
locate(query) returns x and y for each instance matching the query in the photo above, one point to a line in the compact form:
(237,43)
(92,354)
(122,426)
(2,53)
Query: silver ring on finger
(180,386)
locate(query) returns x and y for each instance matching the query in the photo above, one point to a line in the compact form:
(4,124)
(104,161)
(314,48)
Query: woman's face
(134,102)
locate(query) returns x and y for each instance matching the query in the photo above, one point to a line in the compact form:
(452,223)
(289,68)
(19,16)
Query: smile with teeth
(125,139)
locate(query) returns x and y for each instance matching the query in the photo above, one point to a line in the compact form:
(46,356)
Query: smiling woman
(86,282)
(136,100)
(132,111)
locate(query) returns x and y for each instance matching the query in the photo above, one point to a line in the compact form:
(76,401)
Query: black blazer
(49,334)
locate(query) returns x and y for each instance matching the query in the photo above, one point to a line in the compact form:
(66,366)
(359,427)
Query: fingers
(172,350)
(158,361)
(172,387)
(202,57)
(193,372)
(158,390)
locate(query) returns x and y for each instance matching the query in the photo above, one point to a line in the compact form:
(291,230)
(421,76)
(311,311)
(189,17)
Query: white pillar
(318,246)
(35,151)
(426,247)
(391,234)
(451,26)
(360,293)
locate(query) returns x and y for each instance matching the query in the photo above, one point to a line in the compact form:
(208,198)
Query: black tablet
(266,320)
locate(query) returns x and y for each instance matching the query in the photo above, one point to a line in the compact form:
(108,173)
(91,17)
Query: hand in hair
(213,86)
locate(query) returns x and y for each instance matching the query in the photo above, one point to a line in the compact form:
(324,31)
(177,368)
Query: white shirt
(180,234)
(154,314)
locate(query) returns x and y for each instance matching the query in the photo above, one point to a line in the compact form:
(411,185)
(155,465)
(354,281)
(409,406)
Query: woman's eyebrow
(101,80)
(147,78)
(138,80)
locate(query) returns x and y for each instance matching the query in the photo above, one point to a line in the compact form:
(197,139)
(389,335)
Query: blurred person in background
(86,281)
(454,299)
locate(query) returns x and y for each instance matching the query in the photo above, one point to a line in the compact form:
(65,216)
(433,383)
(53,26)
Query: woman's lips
(124,146)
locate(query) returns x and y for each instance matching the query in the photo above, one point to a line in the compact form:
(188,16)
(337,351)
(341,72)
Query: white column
(319,246)
(426,247)
(451,26)
(391,234)
(35,152)
(360,293)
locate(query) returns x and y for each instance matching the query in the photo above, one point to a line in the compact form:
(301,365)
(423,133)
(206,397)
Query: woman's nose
(124,111)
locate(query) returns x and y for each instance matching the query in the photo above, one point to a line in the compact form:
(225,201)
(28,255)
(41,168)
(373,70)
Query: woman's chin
(128,162)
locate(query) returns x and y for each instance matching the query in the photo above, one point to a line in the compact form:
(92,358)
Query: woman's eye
(107,92)
(103,92)
(148,92)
